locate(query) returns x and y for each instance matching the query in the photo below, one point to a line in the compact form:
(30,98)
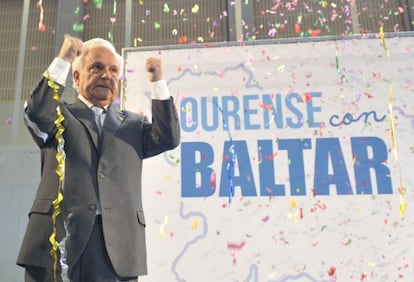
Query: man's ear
(76,77)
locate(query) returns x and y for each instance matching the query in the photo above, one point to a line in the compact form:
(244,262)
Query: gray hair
(77,64)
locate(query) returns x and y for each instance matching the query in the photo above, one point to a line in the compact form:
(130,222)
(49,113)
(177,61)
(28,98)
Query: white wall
(19,177)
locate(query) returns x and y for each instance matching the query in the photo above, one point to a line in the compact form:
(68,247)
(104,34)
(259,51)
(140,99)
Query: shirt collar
(88,103)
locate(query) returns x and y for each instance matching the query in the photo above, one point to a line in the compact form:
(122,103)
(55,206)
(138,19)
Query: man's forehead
(100,54)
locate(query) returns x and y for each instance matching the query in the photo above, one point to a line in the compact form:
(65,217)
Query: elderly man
(101,219)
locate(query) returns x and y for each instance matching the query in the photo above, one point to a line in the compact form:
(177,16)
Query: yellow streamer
(383,43)
(60,171)
(392,127)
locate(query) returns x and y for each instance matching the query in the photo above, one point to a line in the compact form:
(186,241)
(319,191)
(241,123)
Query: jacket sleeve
(163,133)
(40,111)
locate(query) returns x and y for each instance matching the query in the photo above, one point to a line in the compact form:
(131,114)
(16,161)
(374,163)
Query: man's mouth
(103,86)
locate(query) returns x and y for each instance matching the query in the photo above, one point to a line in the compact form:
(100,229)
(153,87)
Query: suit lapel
(87,118)
(113,120)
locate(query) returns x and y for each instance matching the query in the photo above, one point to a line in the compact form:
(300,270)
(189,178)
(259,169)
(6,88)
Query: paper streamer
(392,126)
(338,68)
(232,159)
(41,25)
(60,171)
(113,20)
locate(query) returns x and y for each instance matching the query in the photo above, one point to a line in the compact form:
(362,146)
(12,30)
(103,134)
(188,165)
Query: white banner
(292,166)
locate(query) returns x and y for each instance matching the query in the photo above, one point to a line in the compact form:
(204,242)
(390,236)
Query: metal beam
(17,113)
(128,21)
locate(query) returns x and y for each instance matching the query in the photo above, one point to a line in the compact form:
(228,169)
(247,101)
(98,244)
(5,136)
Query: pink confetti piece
(266,218)
(213,180)
(236,246)
(331,271)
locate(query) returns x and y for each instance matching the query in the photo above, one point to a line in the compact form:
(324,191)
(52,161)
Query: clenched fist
(153,66)
(71,48)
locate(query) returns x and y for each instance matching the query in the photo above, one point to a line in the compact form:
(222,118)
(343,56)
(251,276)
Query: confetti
(162,227)
(307,97)
(195,9)
(98,3)
(195,223)
(213,180)
(331,271)
(182,39)
(41,25)
(166,9)
(236,246)
(266,218)
(77,27)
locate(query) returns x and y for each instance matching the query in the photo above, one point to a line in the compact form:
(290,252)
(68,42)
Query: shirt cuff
(159,90)
(58,71)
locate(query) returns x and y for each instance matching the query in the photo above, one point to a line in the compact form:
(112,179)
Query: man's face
(98,79)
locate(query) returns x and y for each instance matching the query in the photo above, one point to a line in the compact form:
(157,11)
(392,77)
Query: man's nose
(106,73)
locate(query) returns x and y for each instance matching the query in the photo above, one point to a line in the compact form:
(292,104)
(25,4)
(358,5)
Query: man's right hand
(71,48)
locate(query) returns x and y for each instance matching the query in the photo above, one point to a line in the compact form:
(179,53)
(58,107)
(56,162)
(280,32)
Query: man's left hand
(153,66)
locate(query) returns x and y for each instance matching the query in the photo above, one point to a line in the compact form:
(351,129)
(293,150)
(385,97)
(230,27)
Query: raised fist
(153,66)
(71,48)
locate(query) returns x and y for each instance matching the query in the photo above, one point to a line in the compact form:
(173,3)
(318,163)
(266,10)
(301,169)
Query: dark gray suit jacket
(105,171)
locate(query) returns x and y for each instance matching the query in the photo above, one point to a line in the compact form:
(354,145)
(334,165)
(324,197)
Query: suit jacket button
(92,207)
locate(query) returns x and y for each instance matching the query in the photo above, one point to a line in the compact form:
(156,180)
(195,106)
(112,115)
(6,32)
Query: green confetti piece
(166,9)
(98,3)
(77,27)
